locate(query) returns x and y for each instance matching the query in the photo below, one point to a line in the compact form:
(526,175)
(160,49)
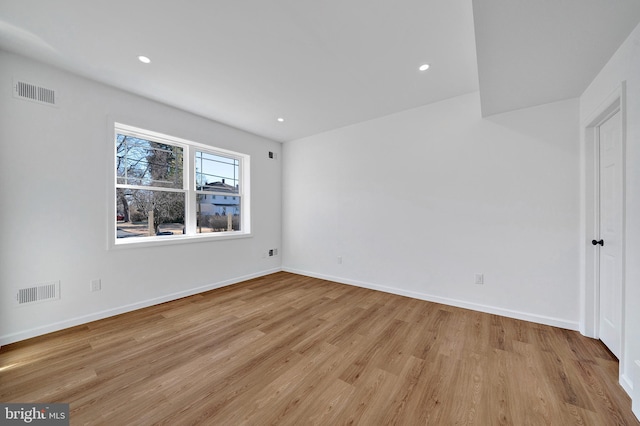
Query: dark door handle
(595,243)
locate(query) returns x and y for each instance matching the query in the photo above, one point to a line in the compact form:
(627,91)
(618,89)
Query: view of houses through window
(217,187)
(156,197)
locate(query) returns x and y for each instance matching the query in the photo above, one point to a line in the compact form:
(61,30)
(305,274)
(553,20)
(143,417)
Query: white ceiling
(536,52)
(322,64)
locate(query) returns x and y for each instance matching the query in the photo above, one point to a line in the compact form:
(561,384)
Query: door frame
(590,289)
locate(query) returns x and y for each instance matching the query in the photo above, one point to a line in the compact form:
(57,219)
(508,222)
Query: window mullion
(190,183)
(148,188)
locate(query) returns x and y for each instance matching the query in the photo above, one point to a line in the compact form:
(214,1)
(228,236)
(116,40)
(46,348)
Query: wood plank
(289,350)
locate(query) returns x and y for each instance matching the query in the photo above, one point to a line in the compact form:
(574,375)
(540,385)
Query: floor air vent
(40,293)
(32,92)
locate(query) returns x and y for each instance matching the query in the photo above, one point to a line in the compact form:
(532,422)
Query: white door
(609,235)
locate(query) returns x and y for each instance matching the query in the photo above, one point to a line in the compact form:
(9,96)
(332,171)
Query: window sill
(126,243)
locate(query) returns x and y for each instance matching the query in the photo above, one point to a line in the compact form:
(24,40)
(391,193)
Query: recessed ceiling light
(280,120)
(144,59)
(424,67)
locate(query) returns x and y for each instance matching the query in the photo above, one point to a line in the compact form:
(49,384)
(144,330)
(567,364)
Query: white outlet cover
(96,285)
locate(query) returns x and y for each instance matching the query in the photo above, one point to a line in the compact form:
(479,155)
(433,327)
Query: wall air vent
(39,293)
(32,92)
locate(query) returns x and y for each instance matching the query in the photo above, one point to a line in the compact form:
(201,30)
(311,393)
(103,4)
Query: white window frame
(189,188)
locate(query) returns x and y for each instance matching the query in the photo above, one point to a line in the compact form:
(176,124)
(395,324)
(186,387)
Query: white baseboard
(38,331)
(526,316)
(72,322)
(626,383)
(635,390)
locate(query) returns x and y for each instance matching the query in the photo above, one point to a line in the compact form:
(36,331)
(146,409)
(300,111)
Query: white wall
(498,196)
(624,66)
(54,170)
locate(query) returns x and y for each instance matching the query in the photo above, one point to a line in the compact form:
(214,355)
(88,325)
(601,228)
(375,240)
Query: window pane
(148,163)
(216,173)
(216,213)
(135,208)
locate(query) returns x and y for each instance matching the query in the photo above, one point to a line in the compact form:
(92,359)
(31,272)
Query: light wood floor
(292,350)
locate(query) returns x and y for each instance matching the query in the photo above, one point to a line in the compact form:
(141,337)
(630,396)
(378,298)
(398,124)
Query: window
(217,175)
(168,188)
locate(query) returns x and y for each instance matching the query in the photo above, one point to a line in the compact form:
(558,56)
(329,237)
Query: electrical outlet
(270,252)
(96,285)
(479,279)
